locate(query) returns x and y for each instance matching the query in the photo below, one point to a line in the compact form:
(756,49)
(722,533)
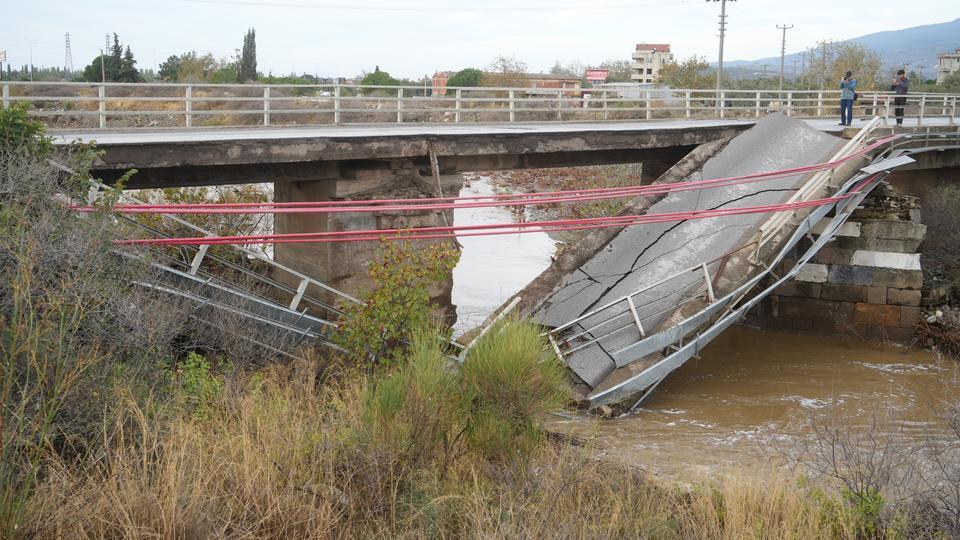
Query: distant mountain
(915,48)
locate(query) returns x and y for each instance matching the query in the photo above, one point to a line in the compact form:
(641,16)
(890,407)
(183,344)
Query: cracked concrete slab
(640,256)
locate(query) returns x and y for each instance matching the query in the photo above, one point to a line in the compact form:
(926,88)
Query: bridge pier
(343,265)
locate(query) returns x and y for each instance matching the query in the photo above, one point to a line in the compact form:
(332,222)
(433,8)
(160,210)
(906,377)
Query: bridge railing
(121,105)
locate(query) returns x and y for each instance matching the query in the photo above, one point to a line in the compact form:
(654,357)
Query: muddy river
(751,397)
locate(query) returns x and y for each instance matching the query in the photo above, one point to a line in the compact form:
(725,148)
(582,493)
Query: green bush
(19,132)
(416,412)
(399,304)
(515,379)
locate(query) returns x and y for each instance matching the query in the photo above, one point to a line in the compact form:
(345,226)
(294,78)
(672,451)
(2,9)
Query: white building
(947,64)
(648,58)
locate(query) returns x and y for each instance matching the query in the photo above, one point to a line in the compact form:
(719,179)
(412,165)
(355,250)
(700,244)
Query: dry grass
(279,459)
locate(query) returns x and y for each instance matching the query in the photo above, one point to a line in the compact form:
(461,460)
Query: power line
(783,50)
(438,9)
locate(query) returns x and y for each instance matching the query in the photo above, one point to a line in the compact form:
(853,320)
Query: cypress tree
(247,70)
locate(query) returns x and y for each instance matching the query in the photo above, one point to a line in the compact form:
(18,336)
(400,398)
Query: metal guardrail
(102,105)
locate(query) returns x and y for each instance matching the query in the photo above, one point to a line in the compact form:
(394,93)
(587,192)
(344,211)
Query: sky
(413,38)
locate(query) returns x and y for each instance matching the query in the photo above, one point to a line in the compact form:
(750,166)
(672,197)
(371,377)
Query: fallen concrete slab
(640,257)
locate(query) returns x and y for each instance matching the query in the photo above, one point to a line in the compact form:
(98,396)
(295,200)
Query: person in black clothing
(901,84)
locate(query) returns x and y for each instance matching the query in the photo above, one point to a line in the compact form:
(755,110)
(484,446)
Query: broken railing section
(297,296)
(682,340)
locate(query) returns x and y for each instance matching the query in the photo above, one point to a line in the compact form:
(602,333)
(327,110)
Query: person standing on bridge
(848,93)
(901,84)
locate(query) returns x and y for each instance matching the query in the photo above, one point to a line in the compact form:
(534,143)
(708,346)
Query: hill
(914,48)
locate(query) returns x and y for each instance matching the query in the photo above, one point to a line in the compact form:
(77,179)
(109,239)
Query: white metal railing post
(923,104)
(399,105)
(6,96)
(886,107)
(756,107)
(510,106)
(102,102)
(687,104)
(873,109)
(723,97)
(302,288)
(636,316)
(790,103)
(266,105)
(706,278)
(188,106)
(953,111)
(459,106)
(820,103)
(337,93)
(606,112)
(198,258)
(559,104)
(646,104)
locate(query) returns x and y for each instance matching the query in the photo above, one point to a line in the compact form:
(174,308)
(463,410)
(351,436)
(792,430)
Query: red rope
(480,230)
(445,203)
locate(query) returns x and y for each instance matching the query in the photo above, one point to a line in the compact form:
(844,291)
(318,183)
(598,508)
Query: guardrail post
(459,106)
(789,103)
(606,112)
(559,105)
(6,96)
(923,104)
(953,111)
(266,105)
(510,106)
(873,110)
(723,97)
(336,104)
(820,103)
(646,104)
(757,107)
(399,105)
(102,105)
(198,258)
(188,106)
(706,278)
(687,104)
(636,316)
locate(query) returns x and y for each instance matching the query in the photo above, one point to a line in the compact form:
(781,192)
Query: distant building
(947,64)
(544,80)
(648,58)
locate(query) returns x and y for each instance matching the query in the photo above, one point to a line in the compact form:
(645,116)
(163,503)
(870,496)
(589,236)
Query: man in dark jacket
(901,84)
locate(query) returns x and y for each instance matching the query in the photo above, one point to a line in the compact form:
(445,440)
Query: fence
(102,105)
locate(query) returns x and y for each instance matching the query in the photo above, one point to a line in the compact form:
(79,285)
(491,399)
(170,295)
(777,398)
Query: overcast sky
(417,37)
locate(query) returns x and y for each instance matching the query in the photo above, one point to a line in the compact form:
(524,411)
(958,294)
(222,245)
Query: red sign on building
(597,75)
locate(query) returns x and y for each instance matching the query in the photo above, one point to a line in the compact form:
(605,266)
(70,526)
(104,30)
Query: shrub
(19,133)
(399,303)
(515,379)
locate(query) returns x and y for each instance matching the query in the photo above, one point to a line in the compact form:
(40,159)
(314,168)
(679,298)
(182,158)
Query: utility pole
(783,50)
(723,31)
(103,70)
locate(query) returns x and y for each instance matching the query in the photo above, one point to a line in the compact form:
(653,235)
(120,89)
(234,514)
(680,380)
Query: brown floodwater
(750,400)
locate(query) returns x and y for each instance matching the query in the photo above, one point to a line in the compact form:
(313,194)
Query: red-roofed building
(648,58)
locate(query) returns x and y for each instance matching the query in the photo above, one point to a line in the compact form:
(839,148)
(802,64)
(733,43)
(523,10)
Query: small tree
(247,70)
(128,68)
(694,72)
(379,78)
(94,72)
(620,70)
(830,61)
(170,69)
(506,71)
(465,78)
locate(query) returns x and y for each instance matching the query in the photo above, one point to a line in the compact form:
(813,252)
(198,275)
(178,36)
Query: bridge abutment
(867,283)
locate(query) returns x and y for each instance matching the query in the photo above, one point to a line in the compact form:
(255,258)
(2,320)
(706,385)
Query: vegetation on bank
(122,417)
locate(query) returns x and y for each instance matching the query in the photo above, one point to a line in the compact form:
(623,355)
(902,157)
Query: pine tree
(114,61)
(128,68)
(247,71)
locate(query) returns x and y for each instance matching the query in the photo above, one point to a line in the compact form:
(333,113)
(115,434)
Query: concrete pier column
(345,265)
